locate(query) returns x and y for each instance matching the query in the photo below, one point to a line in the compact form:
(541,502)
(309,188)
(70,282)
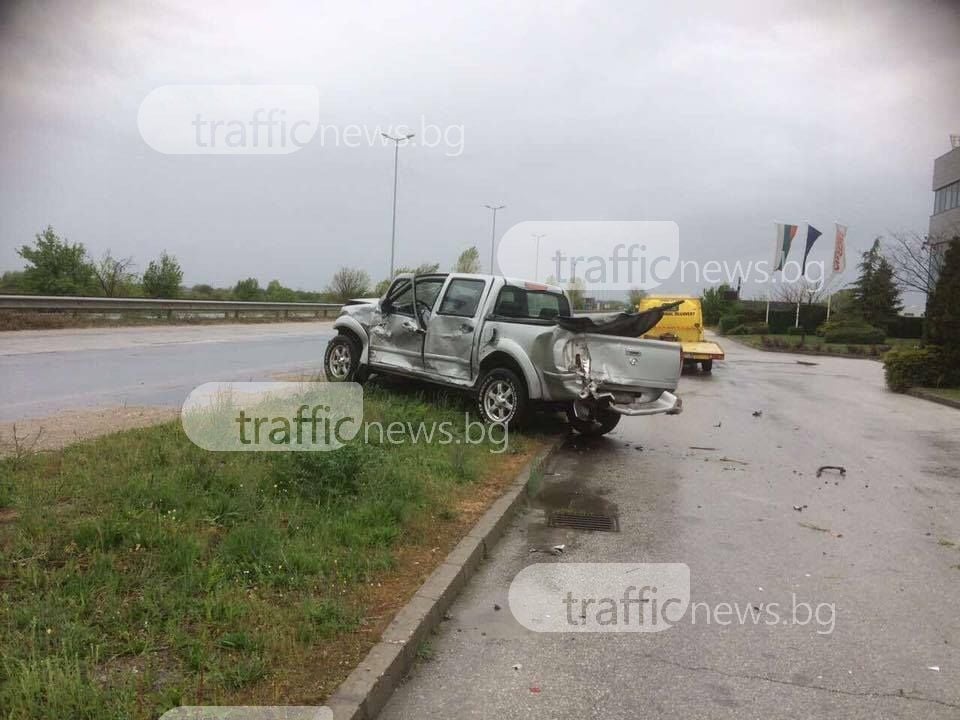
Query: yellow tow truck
(683,325)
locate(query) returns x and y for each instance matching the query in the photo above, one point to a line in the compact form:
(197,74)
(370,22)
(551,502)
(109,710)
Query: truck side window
(462,298)
(514,302)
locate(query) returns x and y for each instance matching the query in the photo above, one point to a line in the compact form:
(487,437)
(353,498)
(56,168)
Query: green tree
(875,292)
(422,269)
(469,261)
(348,283)
(943,309)
(248,289)
(715,304)
(278,293)
(162,277)
(56,266)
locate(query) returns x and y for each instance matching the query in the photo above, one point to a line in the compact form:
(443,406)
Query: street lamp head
(409,135)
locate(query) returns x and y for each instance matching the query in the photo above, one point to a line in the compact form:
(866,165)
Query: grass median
(816,344)
(140,572)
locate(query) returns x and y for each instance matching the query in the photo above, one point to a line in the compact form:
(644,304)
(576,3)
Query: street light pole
(493,231)
(396,165)
(536,266)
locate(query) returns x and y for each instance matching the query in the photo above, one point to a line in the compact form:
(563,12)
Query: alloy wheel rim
(340,362)
(499,401)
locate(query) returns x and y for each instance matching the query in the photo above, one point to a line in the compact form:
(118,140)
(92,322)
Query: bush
(749,329)
(797,331)
(902,326)
(728,322)
(914,367)
(853,332)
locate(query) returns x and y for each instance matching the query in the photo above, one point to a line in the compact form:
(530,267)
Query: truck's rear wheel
(502,397)
(601,422)
(706,365)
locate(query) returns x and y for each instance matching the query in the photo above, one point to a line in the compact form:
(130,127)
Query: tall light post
(493,231)
(396,163)
(536,267)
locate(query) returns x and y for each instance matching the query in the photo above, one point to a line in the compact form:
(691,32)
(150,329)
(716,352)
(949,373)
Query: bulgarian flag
(785,235)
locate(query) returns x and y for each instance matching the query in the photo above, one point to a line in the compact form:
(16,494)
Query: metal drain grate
(583,521)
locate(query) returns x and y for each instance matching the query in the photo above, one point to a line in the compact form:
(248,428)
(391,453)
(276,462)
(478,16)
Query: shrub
(913,367)
(853,332)
(728,322)
(903,326)
(797,331)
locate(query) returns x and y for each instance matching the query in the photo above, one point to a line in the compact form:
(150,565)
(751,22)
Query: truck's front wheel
(600,422)
(341,363)
(502,397)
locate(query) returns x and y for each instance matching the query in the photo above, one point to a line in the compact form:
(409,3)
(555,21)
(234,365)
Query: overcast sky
(723,117)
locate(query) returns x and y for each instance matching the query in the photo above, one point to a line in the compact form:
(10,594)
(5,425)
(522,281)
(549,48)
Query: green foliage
(56,266)
(905,327)
(714,304)
(852,331)
(162,277)
(943,310)
(749,329)
(248,289)
(801,331)
(634,298)
(915,367)
(875,292)
(278,293)
(12,281)
(728,322)
(469,261)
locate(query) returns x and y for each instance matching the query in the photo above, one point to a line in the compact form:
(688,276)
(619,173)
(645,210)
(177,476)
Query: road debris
(811,526)
(806,362)
(518,666)
(733,460)
(698,447)
(496,607)
(935,668)
(757,413)
(719,424)
(839,468)
(799,508)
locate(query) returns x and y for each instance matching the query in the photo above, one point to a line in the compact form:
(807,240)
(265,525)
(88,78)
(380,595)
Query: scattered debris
(518,666)
(935,668)
(719,424)
(698,447)
(558,549)
(811,526)
(555,550)
(839,468)
(738,462)
(447,616)
(535,690)
(496,607)
(806,362)
(757,413)
(799,508)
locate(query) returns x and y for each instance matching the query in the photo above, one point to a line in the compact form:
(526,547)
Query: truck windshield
(515,302)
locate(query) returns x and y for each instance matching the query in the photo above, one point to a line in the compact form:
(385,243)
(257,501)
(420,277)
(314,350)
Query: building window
(947,198)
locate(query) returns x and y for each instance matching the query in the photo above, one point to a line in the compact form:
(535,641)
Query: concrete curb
(366,690)
(925,395)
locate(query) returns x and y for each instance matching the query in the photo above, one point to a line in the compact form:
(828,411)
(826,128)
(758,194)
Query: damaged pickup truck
(512,344)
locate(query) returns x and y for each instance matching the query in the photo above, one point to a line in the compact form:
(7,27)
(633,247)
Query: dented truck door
(448,345)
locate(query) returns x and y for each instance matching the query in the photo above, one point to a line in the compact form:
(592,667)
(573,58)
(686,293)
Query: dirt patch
(57,431)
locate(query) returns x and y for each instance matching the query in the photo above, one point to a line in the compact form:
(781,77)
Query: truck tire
(341,362)
(603,422)
(502,397)
(706,365)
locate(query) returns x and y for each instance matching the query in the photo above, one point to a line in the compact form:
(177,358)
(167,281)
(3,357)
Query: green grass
(814,343)
(948,393)
(139,572)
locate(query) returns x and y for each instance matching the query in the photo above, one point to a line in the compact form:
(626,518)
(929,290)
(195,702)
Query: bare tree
(806,292)
(349,283)
(114,274)
(916,259)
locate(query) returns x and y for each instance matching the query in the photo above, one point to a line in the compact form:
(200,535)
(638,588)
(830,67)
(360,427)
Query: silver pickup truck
(511,343)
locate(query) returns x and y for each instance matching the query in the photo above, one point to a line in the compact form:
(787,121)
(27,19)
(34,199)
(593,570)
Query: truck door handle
(466,328)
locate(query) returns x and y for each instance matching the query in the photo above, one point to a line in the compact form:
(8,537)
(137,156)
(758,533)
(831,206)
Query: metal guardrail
(118,305)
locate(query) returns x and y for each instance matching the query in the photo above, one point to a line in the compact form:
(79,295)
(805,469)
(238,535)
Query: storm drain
(577,520)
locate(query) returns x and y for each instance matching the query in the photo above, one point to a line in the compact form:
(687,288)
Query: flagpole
(767,319)
(829,298)
(797,323)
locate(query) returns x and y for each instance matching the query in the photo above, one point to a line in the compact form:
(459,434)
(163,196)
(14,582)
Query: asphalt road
(46,371)
(880,545)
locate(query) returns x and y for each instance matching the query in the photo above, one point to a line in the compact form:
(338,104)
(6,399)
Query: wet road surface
(880,545)
(46,371)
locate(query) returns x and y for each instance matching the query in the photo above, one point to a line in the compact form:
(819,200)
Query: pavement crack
(819,688)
